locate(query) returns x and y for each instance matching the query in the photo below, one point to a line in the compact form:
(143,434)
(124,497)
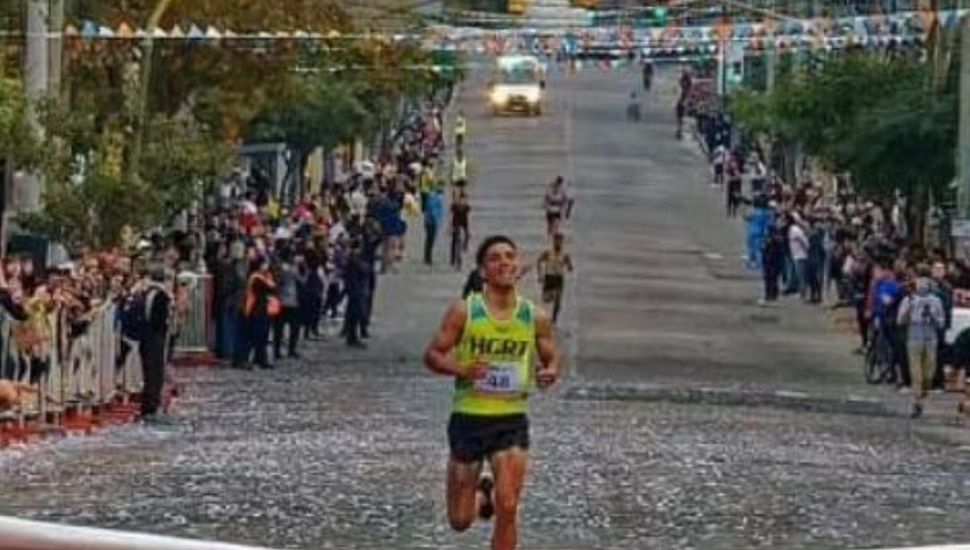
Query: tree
(327,114)
(17,141)
(885,120)
(88,201)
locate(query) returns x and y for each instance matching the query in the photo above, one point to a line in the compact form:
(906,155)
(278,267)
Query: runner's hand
(475,371)
(546,377)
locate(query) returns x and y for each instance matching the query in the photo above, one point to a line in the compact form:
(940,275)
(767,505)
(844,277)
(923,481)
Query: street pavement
(689,417)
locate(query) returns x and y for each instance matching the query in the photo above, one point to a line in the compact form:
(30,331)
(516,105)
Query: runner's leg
(557,304)
(462,493)
(509,467)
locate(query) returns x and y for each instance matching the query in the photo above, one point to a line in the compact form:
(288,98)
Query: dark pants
(900,356)
(814,275)
(862,321)
(353,320)
(771,270)
(241,347)
(430,233)
(369,301)
(290,318)
(310,308)
(258,326)
(228,333)
(152,351)
(335,295)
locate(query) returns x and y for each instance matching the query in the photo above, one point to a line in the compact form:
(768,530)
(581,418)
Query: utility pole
(963,149)
(27,187)
(55,45)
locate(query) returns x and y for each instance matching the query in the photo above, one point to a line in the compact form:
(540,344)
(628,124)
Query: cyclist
(557,203)
(647,74)
(884,300)
(551,268)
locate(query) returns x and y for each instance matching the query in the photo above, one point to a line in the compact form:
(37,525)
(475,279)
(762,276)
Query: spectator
(157,307)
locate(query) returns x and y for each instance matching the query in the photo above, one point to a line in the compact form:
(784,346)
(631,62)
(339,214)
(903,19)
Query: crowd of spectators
(280,275)
(847,251)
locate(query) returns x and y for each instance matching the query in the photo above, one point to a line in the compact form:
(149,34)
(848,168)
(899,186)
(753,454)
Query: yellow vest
(508,347)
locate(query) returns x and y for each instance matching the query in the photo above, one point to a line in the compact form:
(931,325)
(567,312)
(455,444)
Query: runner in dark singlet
(551,268)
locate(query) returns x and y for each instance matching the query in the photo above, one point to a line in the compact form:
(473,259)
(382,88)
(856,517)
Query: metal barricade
(195,326)
(65,373)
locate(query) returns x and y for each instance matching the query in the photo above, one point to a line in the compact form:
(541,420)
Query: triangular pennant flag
(125,31)
(106,32)
(212,33)
(140,33)
(229,34)
(195,33)
(89,29)
(159,32)
(176,32)
(70,31)
(283,35)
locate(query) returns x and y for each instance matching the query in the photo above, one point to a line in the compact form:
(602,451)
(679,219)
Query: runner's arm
(550,357)
(438,357)
(540,265)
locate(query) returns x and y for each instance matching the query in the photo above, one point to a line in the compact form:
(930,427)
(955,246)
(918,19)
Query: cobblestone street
(780,444)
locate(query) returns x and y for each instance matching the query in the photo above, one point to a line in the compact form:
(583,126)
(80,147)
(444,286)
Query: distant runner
(557,203)
(461,128)
(551,268)
(486,343)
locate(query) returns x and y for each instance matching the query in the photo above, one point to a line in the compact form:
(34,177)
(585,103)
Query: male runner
(551,270)
(557,203)
(486,342)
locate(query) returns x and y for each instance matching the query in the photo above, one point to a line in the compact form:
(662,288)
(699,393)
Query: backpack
(134,316)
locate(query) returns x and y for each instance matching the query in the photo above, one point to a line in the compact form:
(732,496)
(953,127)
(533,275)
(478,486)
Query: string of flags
(904,28)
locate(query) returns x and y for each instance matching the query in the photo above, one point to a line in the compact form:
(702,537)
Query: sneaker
(485,486)
(917,411)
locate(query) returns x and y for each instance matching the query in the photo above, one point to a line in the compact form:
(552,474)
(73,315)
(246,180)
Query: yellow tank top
(508,347)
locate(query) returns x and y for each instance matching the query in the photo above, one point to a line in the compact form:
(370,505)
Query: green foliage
(326,113)
(874,116)
(88,201)
(17,141)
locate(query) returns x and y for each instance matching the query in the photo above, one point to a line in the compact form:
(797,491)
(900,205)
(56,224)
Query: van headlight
(532,95)
(499,96)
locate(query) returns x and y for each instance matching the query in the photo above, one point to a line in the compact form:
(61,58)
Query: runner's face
(501,265)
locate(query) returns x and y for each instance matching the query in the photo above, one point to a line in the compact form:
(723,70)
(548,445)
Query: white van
(518,84)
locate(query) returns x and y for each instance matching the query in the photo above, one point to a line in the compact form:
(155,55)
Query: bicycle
(879,358)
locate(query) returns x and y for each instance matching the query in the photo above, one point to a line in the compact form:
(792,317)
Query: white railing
(20,534)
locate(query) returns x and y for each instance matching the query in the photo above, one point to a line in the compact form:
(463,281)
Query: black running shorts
(552,283)
(475,438)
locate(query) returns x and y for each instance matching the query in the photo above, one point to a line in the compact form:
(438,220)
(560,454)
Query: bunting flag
(877,30)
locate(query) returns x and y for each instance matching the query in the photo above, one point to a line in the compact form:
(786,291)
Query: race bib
(502,379)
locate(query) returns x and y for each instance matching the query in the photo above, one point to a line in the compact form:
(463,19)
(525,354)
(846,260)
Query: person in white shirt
(358,201)
(798,246)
